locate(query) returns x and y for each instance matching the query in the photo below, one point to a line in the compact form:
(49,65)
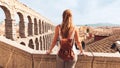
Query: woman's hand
(48,52)
(82,54)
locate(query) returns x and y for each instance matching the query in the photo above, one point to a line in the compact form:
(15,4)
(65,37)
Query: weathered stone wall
(83,62)
(44,61)
(12,57)
(98,62)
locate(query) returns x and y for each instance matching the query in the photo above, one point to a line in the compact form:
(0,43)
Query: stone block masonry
(12,57)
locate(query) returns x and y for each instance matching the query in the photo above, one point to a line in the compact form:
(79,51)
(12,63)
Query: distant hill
(1,22)
(101,25)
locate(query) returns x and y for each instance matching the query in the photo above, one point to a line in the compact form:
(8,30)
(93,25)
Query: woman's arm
(54,39)
(77,40)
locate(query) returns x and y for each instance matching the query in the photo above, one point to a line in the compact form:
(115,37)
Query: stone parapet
(44,61)
(13,57)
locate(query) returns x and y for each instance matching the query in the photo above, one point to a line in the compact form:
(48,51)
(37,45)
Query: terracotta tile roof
(103,45)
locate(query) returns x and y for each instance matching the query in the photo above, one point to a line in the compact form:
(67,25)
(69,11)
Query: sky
(84,11)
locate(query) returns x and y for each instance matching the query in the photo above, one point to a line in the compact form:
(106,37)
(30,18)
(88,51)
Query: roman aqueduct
(33,26)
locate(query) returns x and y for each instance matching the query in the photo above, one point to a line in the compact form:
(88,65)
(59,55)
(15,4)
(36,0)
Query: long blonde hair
(67,23)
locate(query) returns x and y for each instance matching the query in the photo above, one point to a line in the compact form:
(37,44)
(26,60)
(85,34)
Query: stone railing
(19,56)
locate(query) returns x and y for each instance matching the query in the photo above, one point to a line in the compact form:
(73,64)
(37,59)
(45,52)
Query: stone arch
(48,43)
(8,23)
(21,25)
(41,43)
(47,27)
(23,43)
(44,27)
(30,26)
(51,36)
(40,27)
(50,27)
(49,39)
(45,45)
(35,27)
(87,30)
(37,44)
(31,44)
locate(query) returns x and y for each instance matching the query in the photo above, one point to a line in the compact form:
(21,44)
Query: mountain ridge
(100,25)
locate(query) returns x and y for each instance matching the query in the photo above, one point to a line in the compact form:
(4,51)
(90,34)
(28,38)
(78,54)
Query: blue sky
(84,11)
